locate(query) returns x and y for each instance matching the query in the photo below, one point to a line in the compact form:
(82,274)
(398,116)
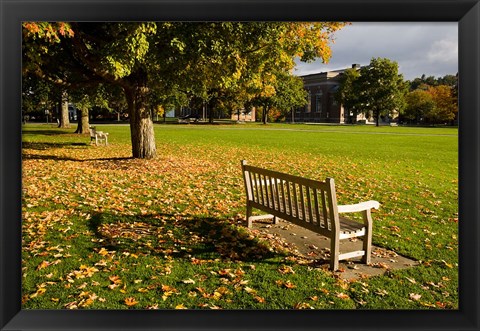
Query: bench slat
(277,194)
(302,202)
(317,211)
(350,255)
(349,226)
(289,194)
(284,203)
(309,205)
(295,200)
(324,212)
(272,189)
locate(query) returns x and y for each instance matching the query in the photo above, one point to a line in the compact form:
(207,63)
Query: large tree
(204,59)
(382,88)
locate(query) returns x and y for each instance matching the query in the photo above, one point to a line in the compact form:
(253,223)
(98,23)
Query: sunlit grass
(168,230)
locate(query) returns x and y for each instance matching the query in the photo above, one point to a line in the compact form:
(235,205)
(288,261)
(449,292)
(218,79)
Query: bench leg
(367,239)
(249,214)
(275,220)
(334,252)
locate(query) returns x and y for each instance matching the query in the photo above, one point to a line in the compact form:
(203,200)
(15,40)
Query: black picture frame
(13,12)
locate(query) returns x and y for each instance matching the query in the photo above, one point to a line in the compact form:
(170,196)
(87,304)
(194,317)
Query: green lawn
(104,231)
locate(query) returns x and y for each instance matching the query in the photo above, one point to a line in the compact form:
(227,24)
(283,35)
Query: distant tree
(382,88)
(349,91)
(84,100)
(289,93)
(419,104)
(424,82)
(282,92)
(38,96)
(449,80)
(445,104)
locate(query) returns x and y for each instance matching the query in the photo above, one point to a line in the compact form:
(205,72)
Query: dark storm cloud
(419,48)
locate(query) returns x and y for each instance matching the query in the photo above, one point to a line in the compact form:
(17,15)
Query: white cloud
(445,50)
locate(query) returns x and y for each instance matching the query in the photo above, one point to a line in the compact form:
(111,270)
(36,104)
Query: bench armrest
(362,206)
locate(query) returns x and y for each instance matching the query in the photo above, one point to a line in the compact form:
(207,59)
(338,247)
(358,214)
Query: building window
(308,106)
(318,102)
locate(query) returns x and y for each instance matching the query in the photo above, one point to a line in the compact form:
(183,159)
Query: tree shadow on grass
(115,160)
(48,145)
(189,238)
(57,132)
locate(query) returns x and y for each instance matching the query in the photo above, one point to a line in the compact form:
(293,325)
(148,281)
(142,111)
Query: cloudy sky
(419,48)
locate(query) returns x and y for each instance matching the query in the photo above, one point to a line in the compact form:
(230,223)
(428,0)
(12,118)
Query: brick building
(322,106)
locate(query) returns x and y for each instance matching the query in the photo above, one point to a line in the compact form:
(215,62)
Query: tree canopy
(376,89)
(152,61)
(432,100)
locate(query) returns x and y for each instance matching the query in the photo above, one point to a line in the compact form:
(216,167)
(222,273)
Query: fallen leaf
(415,296)
(130,301)
(180,306)
(342,295)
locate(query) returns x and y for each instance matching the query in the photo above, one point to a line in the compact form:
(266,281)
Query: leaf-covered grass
(104,231)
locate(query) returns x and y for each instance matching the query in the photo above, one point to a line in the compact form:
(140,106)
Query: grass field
(104,231)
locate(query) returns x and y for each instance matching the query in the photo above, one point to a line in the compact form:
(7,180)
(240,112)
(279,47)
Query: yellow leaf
(250,290)
(286,270)
(289,284)
(130,301)
(115,279)
(342,296)
(411,280)
(43,265)
(180,306)
(259,299)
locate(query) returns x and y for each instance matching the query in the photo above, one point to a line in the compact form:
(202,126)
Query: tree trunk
(377,118)
(211,106)
(83,123)
(141,124)
(355,115)
(265,114)
(64,121)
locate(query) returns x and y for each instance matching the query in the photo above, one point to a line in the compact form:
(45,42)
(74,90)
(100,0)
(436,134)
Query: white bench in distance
(98,136)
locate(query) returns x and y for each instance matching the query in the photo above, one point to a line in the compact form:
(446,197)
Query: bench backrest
(302,201)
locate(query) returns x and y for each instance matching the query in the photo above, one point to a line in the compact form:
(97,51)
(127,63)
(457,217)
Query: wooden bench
(98,136)
(310,204)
